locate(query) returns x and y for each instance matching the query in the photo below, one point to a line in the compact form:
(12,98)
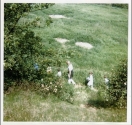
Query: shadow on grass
(98,104)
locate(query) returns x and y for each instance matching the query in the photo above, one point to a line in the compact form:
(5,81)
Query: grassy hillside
(106,29)
(100,25)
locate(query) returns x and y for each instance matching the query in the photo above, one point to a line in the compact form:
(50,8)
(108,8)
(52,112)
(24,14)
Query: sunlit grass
(28,106)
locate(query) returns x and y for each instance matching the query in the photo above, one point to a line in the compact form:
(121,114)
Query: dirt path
(82,96)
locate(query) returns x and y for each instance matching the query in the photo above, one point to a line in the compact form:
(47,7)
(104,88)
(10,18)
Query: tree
(22,49)
(13,12)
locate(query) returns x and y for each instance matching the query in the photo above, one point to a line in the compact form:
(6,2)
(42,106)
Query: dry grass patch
(81,96)
(84,45)
(94,89)
(78,86)
(82,106)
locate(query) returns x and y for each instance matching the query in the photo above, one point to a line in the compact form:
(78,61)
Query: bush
(23,49)
(117,90)
(21,56)
(67,93)
(59,88)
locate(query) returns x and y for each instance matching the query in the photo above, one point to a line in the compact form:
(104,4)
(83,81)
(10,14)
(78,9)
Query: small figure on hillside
(59,73)
(42,85)
(106,80)
(36,66)
(125,83)
(90,80)
(49,70)
(70,73)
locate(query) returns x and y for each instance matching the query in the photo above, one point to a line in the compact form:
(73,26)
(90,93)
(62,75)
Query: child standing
(106,81)
(59,73)
(90,80)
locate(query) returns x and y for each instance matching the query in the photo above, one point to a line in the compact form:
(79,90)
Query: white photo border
(129,62)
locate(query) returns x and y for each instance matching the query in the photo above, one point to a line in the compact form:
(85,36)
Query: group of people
(89,79)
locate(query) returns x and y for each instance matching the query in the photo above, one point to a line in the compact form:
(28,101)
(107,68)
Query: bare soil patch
(60,40)
(84,45)
(57,16)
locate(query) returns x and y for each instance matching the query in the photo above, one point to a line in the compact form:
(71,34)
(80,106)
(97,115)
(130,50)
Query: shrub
(67,93)
(117,90)
(22,54)
(59,88)
(26,58)
(23,49)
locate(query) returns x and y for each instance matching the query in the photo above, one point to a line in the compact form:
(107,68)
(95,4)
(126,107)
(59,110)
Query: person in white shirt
(49,70)
(70,73)
(106,81)
(59,73)
(90,80)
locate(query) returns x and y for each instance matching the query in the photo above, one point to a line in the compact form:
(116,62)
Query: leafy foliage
(22,48)
(58,88)
(26,58)
(118,85)
(14,12)
(67,93)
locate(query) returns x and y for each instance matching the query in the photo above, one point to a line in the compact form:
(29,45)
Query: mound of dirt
(60,40)
(84,45)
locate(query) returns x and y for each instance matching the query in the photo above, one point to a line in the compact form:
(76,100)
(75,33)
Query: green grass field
(104,27)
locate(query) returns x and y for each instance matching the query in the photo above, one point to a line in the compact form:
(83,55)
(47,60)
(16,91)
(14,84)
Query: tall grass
(28,106)
(103,26)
